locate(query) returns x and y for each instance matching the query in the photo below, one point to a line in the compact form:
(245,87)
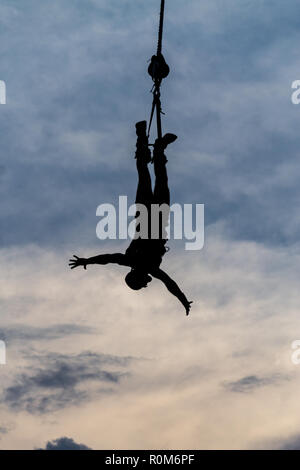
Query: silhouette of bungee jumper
(144,255)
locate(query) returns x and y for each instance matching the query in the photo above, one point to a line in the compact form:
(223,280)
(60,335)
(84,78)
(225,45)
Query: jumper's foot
(167,139)
(141,128)
(161,144)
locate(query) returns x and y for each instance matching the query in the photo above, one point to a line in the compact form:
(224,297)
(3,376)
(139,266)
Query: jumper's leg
(144,194)
(161,190)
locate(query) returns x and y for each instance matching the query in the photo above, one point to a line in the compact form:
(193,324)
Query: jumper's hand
(74,263)
(188,307)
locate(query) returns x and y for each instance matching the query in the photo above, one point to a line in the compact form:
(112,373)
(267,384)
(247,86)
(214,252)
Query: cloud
(63,381)
(242,324)
(31,333)
(69,136)
(250,383)
(64,443)
(67,145)
(292,443)
(285,441)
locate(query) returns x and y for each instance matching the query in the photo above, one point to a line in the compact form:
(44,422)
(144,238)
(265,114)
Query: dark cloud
(64,443)
(30,333)
(250,383)
(64,381)
(48,145)
(292,443)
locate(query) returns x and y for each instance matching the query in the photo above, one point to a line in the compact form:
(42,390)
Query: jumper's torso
(146,254)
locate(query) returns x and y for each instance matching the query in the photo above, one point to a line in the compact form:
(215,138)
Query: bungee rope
(161,26)
(158,70)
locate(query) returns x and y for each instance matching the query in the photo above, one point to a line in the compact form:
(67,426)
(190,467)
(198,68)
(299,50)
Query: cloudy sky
(91,364)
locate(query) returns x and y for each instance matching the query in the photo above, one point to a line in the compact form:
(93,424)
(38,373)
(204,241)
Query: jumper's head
(136,279)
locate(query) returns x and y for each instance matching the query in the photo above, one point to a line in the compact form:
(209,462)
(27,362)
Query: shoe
(165,141)
(168,139)
(141,128)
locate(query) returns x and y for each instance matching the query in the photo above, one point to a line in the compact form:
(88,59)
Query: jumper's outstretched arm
(173,288)
(117,258)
